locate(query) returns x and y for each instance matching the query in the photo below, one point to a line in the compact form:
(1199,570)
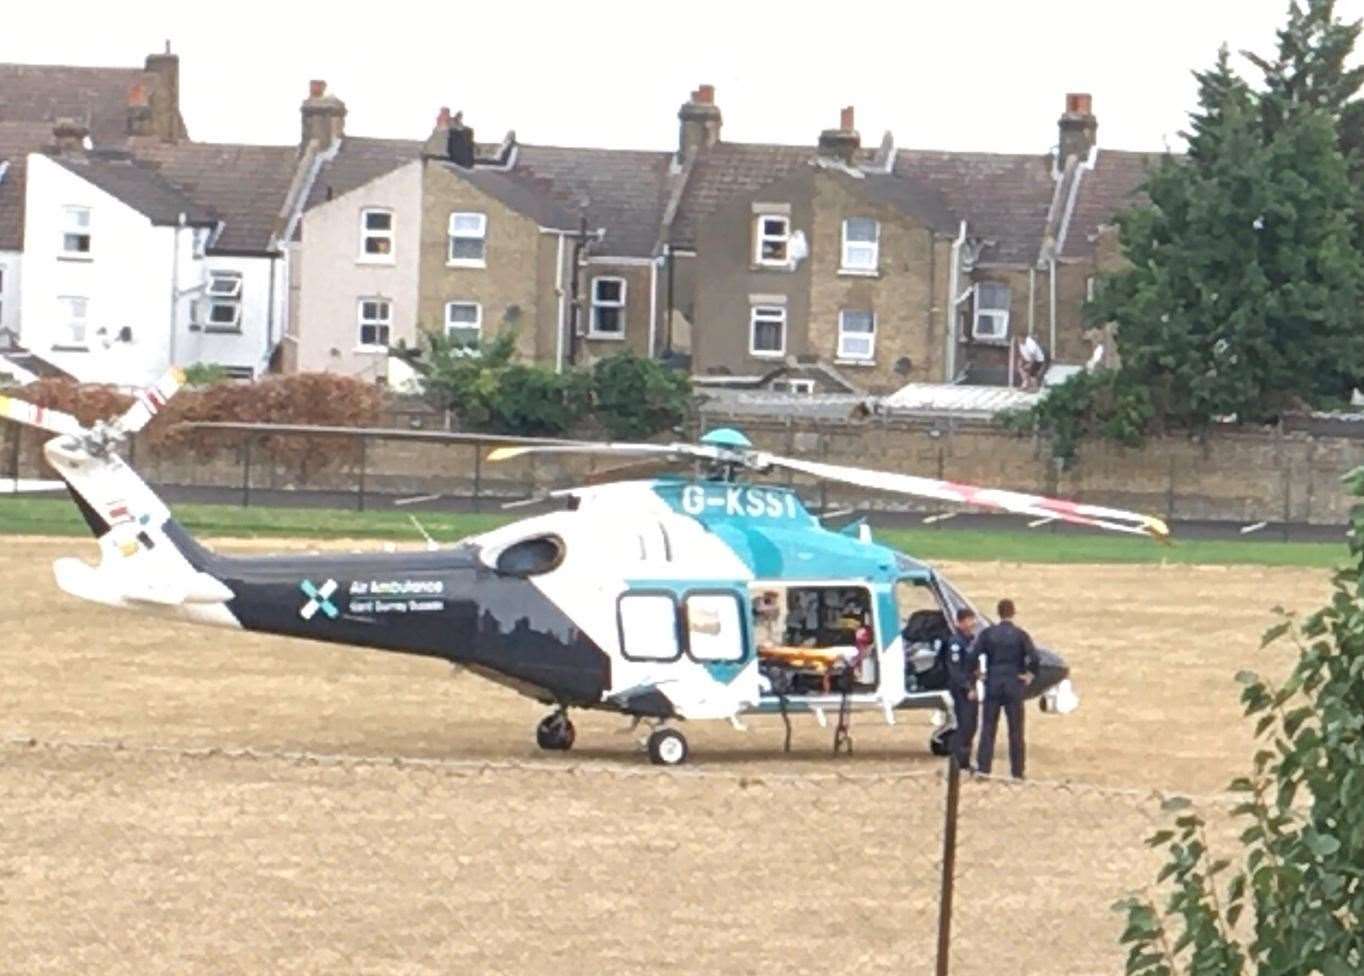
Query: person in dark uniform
(1010,664)
(959,660)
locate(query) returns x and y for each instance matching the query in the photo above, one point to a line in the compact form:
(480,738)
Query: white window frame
(361,322)
(223,291)
(771,314)
(648,626)
(73,227)
(69,318)
(367,234)
(593,330)
(699,638)
(846,265)
(999,332)
(476,326)
(761,236)
(481,236)
(844,335)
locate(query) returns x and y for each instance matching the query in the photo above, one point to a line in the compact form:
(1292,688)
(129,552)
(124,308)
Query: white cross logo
(319,598)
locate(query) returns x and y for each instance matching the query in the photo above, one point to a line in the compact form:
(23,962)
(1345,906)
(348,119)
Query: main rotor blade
(150,401)
(635,471)
(605,447)
(12,486)
(1019,503)
(41,417)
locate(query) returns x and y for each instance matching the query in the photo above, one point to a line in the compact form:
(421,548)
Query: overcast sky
(970,74)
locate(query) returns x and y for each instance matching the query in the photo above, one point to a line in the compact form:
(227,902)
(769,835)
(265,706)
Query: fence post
(364,459)
(949,865)
(478,473)
(17,433)
(246,472)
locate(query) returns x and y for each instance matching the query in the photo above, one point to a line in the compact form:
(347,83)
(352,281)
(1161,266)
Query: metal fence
(149,859)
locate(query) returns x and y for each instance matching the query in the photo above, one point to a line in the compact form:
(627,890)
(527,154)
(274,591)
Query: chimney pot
(701,119)
(1077,128)
(845,119)
(323,117)
(316,89)
(70,136)
(843,142)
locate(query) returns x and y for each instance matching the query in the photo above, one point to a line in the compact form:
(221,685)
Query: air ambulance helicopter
(634,596)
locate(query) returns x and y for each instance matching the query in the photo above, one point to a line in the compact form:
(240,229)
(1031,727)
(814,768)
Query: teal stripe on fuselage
(769,528)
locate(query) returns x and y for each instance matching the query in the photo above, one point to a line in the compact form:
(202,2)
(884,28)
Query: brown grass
(162,860)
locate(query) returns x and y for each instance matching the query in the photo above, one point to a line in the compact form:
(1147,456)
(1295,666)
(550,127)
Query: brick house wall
(905,293)
(509,287)
(639,281)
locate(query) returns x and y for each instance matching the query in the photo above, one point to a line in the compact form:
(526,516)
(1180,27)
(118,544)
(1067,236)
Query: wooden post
(364,459)
(246,472)
(949,865)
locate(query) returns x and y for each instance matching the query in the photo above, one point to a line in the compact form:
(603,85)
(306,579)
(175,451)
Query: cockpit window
(531,557)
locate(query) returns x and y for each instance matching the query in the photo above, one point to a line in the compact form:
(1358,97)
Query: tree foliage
(1296,888)
(487,390)
(1240,297)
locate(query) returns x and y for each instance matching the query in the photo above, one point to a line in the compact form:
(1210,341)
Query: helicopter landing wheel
(667,747)
(939,743)
(555,732)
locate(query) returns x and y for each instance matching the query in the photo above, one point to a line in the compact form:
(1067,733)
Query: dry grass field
(446,842)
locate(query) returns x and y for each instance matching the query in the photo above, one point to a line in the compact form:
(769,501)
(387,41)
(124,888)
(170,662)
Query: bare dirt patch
(145,860)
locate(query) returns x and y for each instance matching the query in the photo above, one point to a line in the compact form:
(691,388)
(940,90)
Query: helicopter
(634,596)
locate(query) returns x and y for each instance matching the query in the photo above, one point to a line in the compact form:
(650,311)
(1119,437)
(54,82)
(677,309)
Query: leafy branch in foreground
(1293,903)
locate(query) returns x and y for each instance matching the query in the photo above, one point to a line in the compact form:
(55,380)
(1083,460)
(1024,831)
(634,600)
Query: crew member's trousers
(967,712)
(1010,699)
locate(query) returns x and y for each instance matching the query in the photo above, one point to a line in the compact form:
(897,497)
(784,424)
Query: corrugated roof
(958,399)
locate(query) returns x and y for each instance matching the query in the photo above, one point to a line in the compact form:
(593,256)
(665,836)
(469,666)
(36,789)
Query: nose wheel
(667,747)
(555,733)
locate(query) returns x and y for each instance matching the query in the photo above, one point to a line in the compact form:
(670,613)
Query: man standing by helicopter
(962,664)
(1010,665)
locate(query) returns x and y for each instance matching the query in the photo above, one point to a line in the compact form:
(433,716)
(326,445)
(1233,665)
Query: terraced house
(125,245)
(830,266)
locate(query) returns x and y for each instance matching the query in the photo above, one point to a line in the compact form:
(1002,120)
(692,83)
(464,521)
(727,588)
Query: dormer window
(376,236)
(76,232)
(772,241)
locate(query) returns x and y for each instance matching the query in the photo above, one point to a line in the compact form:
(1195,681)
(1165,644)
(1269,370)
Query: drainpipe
(559,322)
(1032,296)
(653,304)
(1051,284)
(270,315)
(953,276)
(175,283)
(668,324)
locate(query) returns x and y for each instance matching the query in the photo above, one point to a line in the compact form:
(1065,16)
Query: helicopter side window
(648,627)
(715,630)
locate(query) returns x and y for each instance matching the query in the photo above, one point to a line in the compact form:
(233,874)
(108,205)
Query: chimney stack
(323,116)
(700,118)
(140,120)
(459,143)
(1078,128)
(843,142)
(164,98)
(70,136)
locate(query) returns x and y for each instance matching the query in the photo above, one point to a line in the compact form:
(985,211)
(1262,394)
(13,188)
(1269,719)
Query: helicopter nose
(1051,671)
